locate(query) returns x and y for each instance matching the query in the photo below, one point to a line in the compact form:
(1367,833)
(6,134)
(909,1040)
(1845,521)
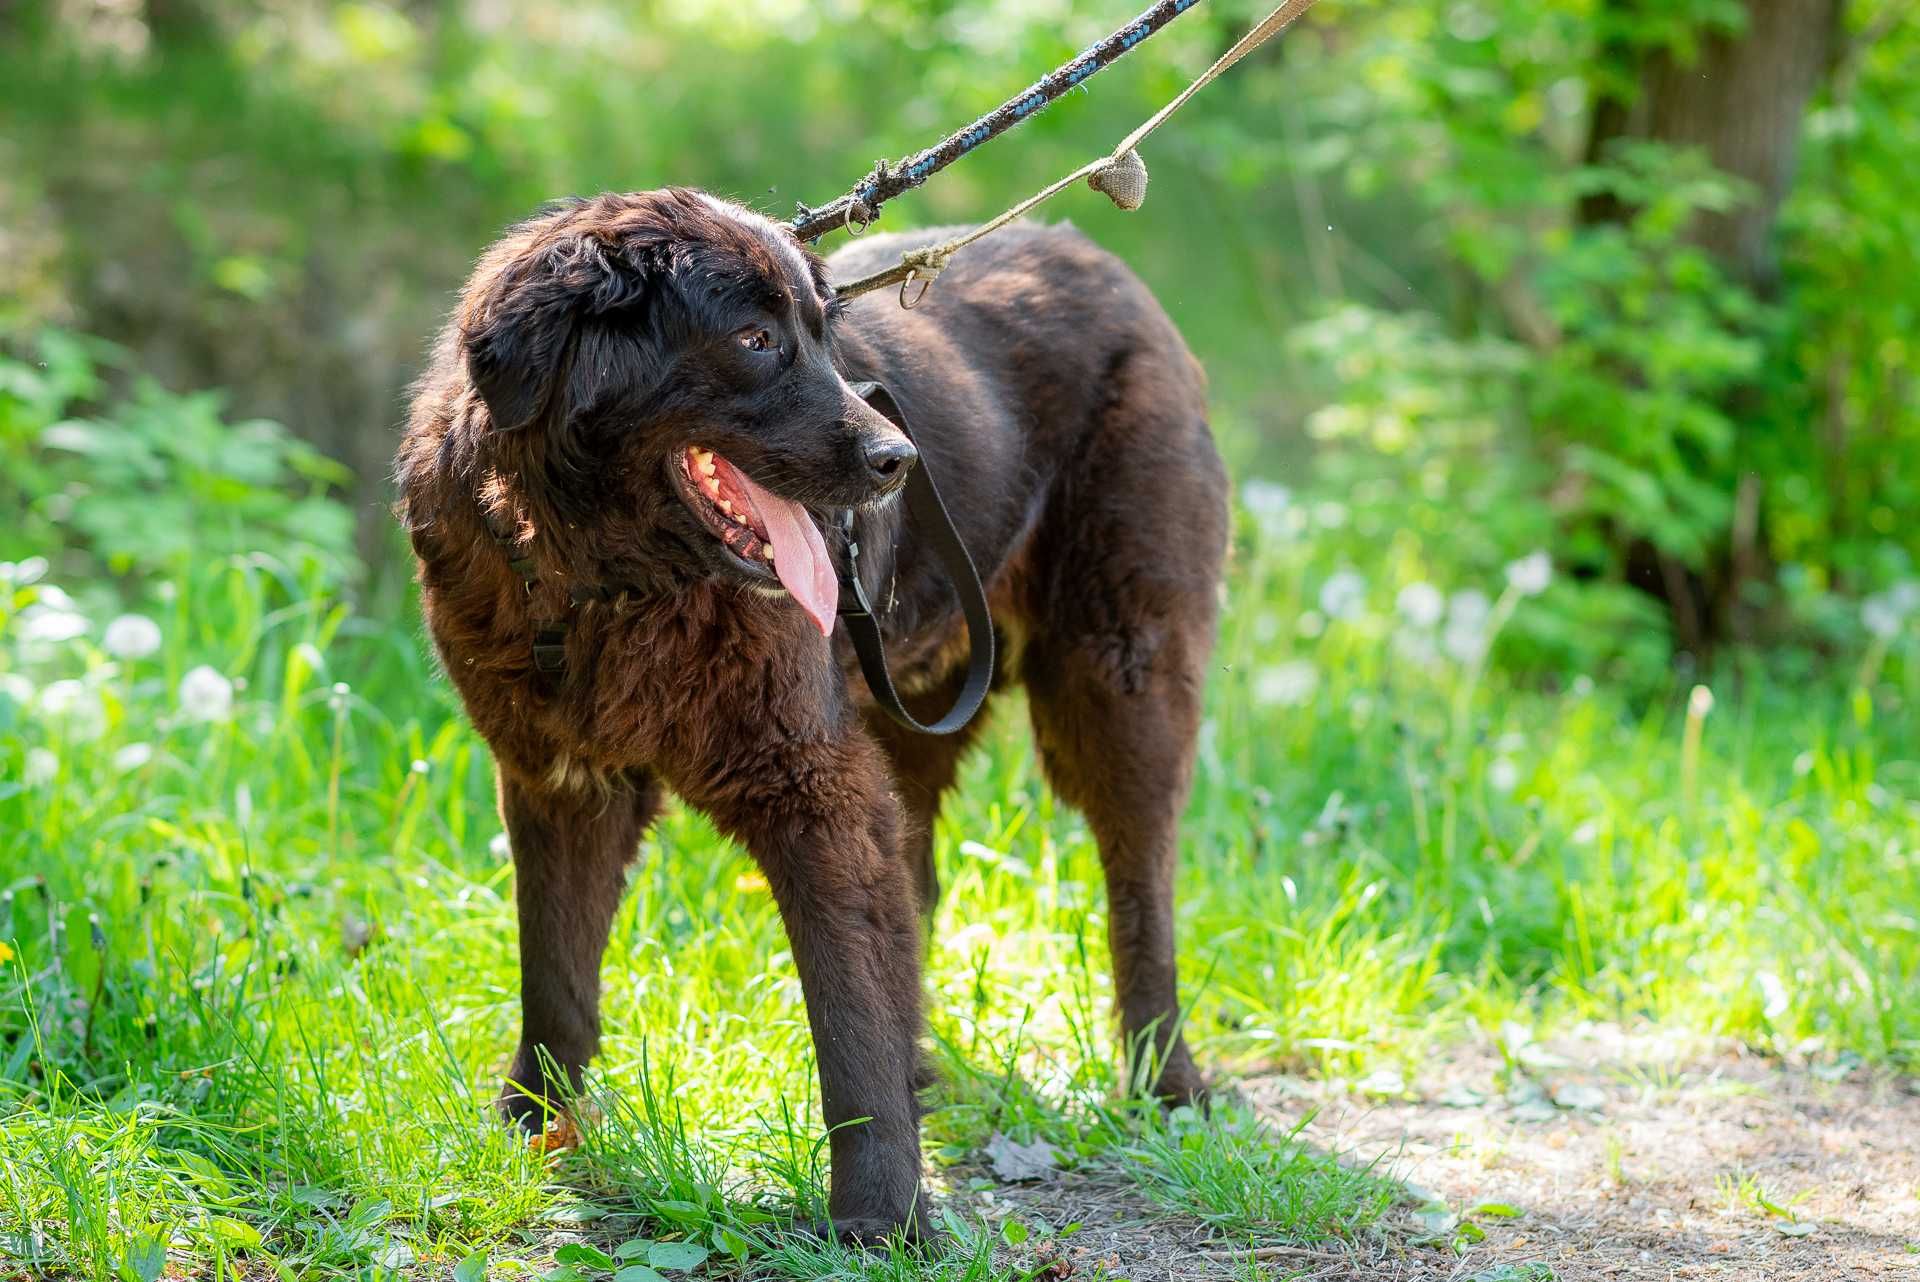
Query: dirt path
(1624,1158)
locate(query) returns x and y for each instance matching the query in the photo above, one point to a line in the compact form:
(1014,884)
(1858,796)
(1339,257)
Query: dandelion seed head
(1286,685)
(40,767)
(50,624)
(132,757)
(1880,617)
(17,688)
(1421,604)
(75,708)
(206,695)
(1343,595)
(131,636)
(1530,575)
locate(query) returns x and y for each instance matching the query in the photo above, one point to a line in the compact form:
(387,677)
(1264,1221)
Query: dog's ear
(523,330)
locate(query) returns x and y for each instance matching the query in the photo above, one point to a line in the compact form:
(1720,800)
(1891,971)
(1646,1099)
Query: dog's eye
(756,339)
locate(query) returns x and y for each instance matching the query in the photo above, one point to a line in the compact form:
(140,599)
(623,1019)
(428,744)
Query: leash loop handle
(929,514)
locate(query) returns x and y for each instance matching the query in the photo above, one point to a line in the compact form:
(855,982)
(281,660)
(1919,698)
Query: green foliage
(158,480)
(258,959)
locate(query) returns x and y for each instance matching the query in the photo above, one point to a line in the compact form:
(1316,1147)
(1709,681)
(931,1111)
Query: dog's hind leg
(1122,627)
(571,847)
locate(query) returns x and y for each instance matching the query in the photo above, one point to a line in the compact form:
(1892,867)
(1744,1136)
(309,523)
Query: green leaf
(471,1269)
(632,1248)
(637,1273)
(146,1258)
(685,1214)
(677,1256)
(1014,1232)
(1498,1210)
(235,1235)
(582,1253)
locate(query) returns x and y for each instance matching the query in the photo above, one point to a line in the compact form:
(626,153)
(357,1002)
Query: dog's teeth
(726,505)
(706,466)
(766,550)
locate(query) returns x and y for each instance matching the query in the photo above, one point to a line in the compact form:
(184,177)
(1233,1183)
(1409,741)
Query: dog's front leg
(828,842)
(572,841)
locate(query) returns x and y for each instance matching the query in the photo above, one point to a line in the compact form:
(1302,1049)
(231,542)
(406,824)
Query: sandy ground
(1625,1158)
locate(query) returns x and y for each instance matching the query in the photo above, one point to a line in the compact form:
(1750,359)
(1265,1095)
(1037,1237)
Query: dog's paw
(530,1113)
(877,1233)
(1184,1090)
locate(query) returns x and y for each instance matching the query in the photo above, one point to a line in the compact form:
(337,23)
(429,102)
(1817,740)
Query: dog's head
(669,358)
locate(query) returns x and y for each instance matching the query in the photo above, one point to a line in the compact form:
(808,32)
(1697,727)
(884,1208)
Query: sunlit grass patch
(1237,1174)
(258,976)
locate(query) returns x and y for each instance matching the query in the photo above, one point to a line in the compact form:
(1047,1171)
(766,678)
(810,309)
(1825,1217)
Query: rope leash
(860,206)
(1120,175)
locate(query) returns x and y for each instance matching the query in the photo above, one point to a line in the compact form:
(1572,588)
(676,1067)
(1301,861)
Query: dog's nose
(889,457)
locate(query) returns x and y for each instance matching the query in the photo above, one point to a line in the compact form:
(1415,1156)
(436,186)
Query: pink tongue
(799,554)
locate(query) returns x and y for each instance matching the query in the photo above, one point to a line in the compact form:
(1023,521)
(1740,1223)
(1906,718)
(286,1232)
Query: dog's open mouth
(764,532)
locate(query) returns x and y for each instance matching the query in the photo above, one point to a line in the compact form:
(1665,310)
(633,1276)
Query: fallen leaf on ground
(1015,1162)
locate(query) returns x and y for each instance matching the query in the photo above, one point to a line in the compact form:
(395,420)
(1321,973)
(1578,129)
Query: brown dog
(623,475)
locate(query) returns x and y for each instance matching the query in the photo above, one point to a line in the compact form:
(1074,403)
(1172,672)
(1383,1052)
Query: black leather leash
(929,515)
(856,612)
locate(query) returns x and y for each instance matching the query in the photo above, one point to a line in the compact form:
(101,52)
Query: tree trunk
(1741,96)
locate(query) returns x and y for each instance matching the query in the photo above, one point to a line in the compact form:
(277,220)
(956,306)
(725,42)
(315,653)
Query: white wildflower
(1329,515)
(1773,993)
(1503,775)
(76,708)
(205,695)
(1905,596)
(21,573)
(1286,685)
(419,766)
(1416,648)
(50,623)
(1343,595)
(1880,616)
(1268,501)
(132,757)
(1466,635)
(17,688)
(41,767)
(1421,604)
(500,847)
(1530,575)
(131,636)
(54,597)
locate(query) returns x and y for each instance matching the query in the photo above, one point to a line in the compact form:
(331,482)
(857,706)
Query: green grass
(261,982)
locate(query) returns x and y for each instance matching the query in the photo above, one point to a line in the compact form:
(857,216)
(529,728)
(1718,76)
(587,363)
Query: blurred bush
(138,488)
(1373,229)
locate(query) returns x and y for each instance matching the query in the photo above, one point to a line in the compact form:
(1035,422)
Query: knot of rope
(1123,181)
(925,265)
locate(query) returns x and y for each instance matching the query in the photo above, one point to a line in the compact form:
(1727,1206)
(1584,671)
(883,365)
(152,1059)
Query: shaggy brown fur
(1065,422)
